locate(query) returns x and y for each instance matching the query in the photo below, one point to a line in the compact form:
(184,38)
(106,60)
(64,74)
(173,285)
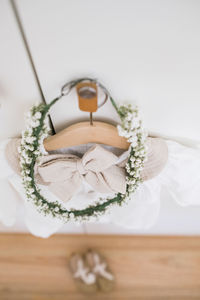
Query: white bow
(83,273)
(64,173)
(100,268)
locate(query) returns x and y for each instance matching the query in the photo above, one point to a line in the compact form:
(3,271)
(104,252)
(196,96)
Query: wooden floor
(145,267)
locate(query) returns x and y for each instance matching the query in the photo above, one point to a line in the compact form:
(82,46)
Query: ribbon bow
(64,173)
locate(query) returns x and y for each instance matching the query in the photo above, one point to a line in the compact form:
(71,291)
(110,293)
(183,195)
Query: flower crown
(31,149)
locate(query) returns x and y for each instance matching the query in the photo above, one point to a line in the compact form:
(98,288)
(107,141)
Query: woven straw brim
(157,156)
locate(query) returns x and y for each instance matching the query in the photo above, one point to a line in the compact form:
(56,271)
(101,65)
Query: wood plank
(145,267)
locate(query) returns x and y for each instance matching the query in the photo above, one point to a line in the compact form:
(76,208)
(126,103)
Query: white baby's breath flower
(28,160)
(38,115)
(30,191)
(31,148)
(133,143)
(56,209)
(35,124)
(28,178)
(30,140)
(37,152)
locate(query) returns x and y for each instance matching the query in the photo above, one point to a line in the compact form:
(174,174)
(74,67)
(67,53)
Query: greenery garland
(31,149)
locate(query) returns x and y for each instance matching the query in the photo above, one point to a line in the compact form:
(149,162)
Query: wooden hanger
(86,132)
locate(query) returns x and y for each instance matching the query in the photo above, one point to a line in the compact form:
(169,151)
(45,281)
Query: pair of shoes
(91,272)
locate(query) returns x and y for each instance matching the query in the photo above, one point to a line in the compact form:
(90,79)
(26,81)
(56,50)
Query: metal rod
(21,29)
(91,119)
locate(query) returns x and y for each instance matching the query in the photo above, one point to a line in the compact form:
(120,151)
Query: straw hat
(157,156)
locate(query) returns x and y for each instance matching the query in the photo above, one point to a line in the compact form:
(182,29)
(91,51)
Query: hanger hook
(66,88)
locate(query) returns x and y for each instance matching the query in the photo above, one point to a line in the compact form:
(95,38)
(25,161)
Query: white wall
(146,51)
(18,90)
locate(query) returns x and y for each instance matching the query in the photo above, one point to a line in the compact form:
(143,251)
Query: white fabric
(180,179)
